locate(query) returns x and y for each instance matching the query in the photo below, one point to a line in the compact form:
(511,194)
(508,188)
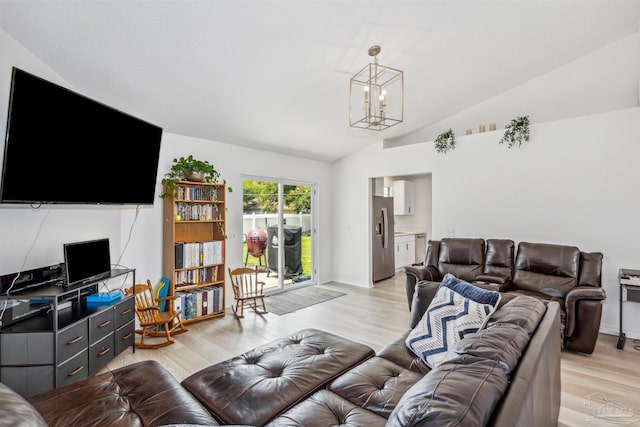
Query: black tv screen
(77,150)
(87,260)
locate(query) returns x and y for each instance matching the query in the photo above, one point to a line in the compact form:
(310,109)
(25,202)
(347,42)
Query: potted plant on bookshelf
(188,169)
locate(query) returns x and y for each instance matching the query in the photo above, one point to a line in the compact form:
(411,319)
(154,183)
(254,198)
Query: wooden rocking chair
(247,290)
(153,322)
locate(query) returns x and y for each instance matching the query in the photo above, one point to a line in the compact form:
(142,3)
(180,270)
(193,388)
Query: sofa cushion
(460,392)
(545,299)
(590,269)
(143,393)
(282,372)
(499,258)
(524,311)
(398,353)
(502,342)
(461,257)
(376,385)
(457,309)
(546,268)
(15,411)
(325,408)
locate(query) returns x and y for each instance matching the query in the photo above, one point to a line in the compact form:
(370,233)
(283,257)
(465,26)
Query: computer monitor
(86,261)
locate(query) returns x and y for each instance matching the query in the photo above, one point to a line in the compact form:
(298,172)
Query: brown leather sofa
(548,272)
(507,374)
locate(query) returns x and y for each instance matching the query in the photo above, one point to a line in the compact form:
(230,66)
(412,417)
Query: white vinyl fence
(253,221)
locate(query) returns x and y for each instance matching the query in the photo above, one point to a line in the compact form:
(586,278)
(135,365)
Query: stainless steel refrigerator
(382,242)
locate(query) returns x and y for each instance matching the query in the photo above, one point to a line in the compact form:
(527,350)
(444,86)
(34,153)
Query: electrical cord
(24,262)
(117,263)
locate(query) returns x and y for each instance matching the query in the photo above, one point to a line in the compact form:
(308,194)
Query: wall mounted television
(80,150)
(86,261)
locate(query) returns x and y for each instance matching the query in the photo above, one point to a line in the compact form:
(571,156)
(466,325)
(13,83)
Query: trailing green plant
(445,141)
(516,132)
(183,168)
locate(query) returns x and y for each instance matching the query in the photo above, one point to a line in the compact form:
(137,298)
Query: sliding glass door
(279,231)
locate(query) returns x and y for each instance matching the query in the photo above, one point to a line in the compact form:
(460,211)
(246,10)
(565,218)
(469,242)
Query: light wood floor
(375,317)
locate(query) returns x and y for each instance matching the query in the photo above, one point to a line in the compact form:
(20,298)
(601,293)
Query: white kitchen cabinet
(404,198)
(405,246)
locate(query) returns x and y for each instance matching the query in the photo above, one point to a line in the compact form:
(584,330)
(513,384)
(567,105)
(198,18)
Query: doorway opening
(279,232)
(408,206)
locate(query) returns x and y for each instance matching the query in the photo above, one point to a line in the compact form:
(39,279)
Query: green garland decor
(445,141)
(516,132)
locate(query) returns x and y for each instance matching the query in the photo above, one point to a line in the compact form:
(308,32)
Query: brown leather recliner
(571,277)
(462,257)
(549,272)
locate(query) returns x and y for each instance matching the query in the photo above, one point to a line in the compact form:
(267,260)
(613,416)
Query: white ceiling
(275,74)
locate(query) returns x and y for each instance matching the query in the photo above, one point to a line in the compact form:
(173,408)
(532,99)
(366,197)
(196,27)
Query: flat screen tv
(78,151)
(86,261)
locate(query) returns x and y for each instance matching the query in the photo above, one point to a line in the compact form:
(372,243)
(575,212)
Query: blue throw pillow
(456,310)
(467,290)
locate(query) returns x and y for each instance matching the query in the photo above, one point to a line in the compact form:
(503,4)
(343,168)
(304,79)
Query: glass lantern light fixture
(376,96)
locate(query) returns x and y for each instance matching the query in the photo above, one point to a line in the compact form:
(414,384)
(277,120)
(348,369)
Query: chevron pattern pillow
(457,309)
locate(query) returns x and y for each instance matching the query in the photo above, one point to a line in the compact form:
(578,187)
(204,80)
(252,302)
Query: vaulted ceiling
(275,74)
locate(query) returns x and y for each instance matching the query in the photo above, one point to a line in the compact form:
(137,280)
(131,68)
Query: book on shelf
(216,298)
(198,254)
(190,301)
(178,303)
(179,254)
(205,302)
(211,307)
(199,303)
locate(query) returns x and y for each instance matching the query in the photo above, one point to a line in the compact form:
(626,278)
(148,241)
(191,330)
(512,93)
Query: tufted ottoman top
(140,394)
(254,387)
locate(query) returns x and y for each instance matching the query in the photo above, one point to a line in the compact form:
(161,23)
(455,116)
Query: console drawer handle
(105,351)
(72,373)
(75,340)
(103,324)
(126,337)
(127,311)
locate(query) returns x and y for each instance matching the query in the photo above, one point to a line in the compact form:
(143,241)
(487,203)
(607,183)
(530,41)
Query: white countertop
(408,231)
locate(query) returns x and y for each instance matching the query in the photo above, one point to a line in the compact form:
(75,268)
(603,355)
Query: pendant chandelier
(376,96)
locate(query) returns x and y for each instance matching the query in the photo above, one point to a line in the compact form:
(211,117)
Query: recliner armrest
(576,294)
(423,294)
(501,279)
(416,273)
(497,281)
(423,273)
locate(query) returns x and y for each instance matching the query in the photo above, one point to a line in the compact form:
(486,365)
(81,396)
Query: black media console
(51,336)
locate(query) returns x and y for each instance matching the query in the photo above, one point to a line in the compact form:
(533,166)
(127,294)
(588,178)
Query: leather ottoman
(141,394)
(256,386)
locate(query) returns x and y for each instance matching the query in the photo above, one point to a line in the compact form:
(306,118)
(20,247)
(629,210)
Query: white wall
(574,183)
(38,234)
(604,80)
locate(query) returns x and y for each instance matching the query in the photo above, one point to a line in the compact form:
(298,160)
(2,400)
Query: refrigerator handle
(385,235)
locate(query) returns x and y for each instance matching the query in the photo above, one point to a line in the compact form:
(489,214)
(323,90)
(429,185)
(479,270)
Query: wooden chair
(153,322)
(247,290)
